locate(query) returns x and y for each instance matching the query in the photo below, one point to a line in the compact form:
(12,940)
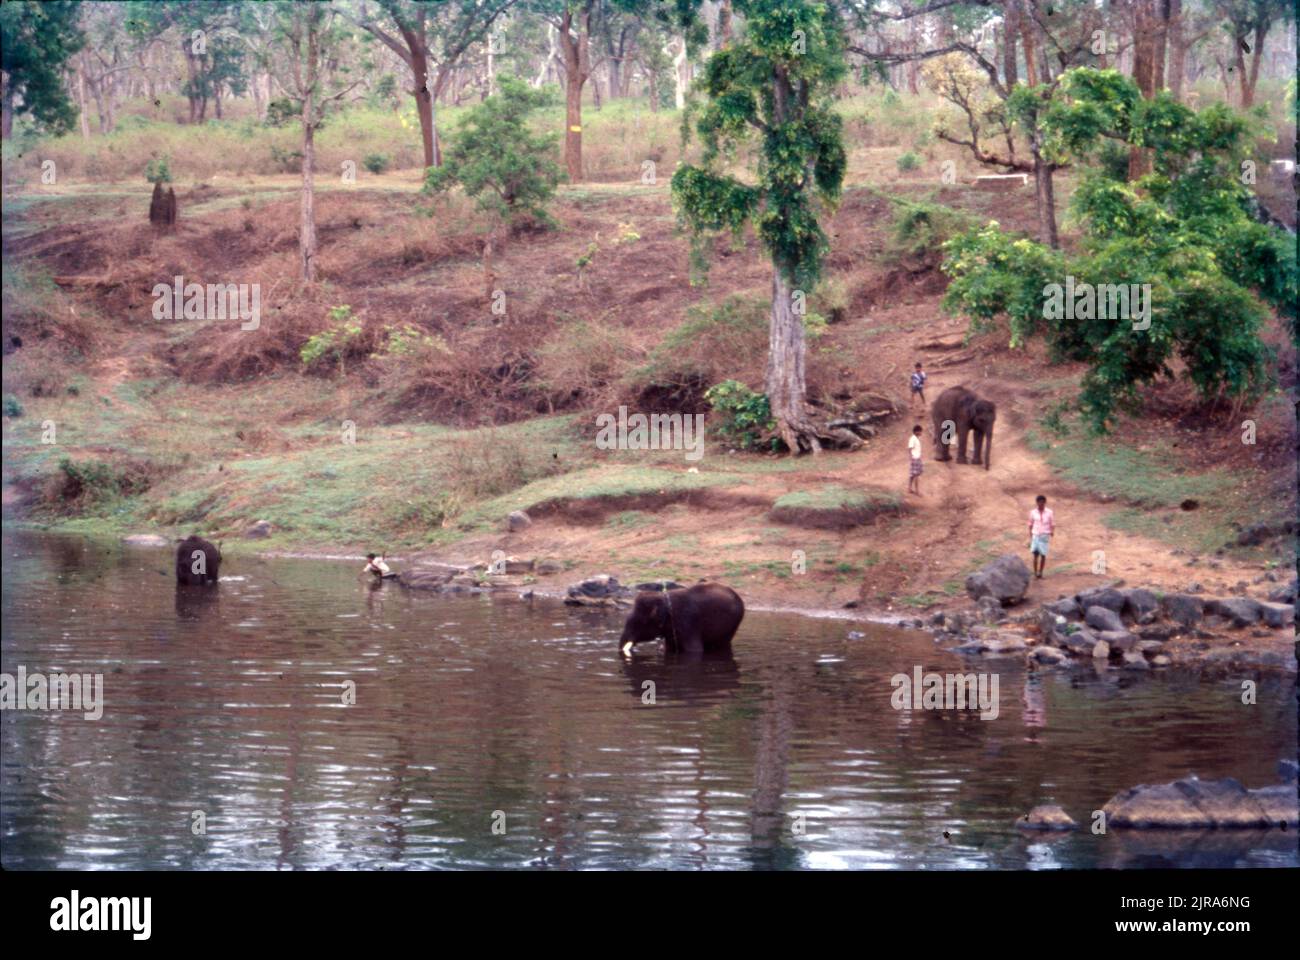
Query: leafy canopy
(774,82)
(1185,229)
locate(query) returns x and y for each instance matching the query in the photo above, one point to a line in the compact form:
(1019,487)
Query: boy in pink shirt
(1042,524)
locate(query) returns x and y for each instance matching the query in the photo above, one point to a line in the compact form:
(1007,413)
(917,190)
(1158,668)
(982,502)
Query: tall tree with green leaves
(774,82)
(36,41)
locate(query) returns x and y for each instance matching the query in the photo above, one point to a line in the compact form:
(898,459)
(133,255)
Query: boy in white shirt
(914,467)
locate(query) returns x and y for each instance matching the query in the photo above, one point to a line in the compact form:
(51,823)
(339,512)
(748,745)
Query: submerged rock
(1194,803)
(1047,816)
(601,590)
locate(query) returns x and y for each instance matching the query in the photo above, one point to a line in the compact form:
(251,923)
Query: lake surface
(495,733)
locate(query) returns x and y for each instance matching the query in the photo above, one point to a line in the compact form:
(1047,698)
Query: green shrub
(908,162)
(746,417)
(13,406)
(159,170)
(376,162)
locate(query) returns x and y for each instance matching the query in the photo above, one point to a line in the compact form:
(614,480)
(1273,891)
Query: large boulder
(1065,607)
(1107,597)
(518,520)
(1240,611)
(1192,803)
(1277,615)
(1142,605)
(1080,642)
(598,591)
(1103,618)
(1006,579)
(1184,609)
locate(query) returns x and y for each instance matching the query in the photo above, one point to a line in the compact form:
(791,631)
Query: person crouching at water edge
(1042,524)
(376,567)
(914,467)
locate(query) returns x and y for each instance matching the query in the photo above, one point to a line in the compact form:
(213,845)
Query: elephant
(967,412)
(197,561)
(690,620)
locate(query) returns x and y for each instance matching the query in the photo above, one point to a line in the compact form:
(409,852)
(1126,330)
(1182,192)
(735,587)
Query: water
(472,712)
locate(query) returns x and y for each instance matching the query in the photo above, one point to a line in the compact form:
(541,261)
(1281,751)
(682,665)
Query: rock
(258,531)
(419,579)
(1288,770)
(517,520)
(1120,641)
(1101,650)
(1049,621)
(1184,610)
(1135,661)
(1006,579)
(1258,533)
(549,566)
(991,609)
(597,591)
(146,540)
(1049,655)
(1285,594)
(954,623)
(1080,642)
(1277,615)
(937,619)
(1278,802)
(1160,660)
(1241,611)
(852,604)
(1103,618)
(1065,607)
(1195,587)
(1046,817)
(856,635)
(1194,803)
(1148,646)
(1107,597)
(1142,605)
(1157,631)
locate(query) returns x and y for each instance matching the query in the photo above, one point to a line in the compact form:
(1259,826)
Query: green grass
(834,497)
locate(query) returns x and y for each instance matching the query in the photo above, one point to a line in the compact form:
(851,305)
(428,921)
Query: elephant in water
(967,412)
(691,620)
(197,561)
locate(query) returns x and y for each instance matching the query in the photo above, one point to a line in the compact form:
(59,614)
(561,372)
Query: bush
(376,162)
(13,407)
(746,417)
(334,342)
(158,170)
(908,162)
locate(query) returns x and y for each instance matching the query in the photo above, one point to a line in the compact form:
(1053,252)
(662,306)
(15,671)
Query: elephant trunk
(988,447)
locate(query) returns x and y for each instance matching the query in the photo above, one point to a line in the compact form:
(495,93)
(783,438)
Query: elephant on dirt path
(966,412)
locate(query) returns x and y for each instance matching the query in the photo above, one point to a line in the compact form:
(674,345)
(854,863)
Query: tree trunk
(424,104)
(1010,27)
(1177,50)
(785,383)
(1031,50)
(307,228)
(81,103)
(1144,29)
(576,69)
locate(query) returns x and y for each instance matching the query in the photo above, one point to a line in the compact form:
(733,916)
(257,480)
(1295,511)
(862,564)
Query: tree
(310,34)
(431,39)
(36,40)
(1184,230)
(774,80)
(499,162)
(1248,25)
(207,35)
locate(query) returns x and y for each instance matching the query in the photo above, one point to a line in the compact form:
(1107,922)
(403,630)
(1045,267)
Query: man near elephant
(914,466)
(1042,524)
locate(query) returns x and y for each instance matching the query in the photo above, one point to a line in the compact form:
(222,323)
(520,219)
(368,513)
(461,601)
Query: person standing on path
(914,464)
(1042,524)
(918,386)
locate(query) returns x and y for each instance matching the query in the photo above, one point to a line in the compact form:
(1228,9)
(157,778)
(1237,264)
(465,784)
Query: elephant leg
(979,444)
(961,443)
(940,448)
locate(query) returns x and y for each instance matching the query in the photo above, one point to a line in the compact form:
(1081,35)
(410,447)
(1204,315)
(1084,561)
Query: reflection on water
(230,703)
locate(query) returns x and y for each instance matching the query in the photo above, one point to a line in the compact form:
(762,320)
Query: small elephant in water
(692,620)
(197,561)
(967,412)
